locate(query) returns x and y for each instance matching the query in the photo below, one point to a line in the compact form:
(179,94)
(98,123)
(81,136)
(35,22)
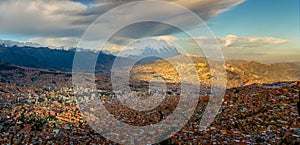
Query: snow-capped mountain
(149,49)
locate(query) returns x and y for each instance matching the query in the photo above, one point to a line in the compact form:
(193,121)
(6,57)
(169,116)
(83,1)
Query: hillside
(11,74)
(239,72)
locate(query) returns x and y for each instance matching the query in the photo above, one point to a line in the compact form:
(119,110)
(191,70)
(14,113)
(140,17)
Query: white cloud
(168,39)
(113,48)
(233,41)
(67,42)
(250,41)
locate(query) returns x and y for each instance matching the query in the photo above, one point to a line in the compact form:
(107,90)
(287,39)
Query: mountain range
(46,58)
(239,72)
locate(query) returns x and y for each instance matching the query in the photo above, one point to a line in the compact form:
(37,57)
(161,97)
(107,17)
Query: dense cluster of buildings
(249,115)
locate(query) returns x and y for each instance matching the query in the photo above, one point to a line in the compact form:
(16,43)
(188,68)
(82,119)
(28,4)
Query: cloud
(171,13)
(208,8)
(66,42)
(204,8)
(116,44)
(42,18)
(233,41)
(249,42)
(67,18)
(168,39)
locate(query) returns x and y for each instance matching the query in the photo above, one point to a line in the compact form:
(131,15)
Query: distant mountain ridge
(9,43)
(46,58)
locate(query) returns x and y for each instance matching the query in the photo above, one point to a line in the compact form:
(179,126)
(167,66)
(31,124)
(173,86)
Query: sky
(261,30)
